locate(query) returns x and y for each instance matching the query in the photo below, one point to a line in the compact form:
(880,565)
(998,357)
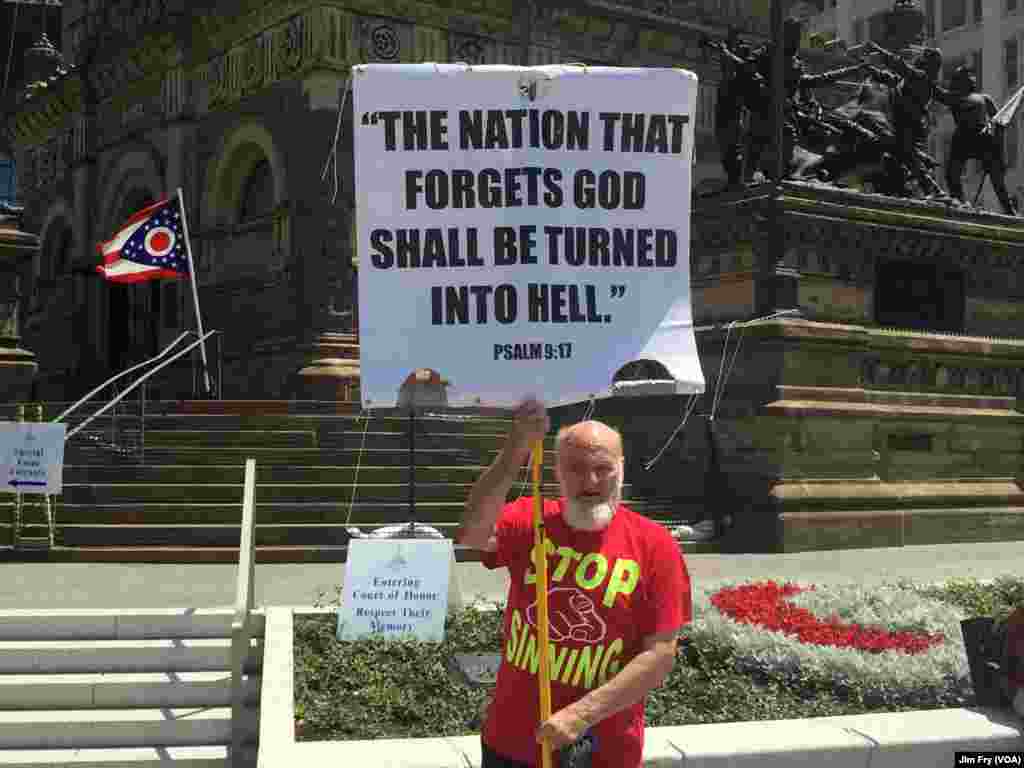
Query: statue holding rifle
(750,88)
(913,88)
(731,107)
(978,135)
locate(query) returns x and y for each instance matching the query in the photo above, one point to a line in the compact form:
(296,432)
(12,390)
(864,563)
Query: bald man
(618,596)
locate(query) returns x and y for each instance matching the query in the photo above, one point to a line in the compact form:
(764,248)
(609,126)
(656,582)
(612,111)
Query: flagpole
(541,567)
(195,294)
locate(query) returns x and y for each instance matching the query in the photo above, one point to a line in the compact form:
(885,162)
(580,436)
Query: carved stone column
(17,366)
(329,349)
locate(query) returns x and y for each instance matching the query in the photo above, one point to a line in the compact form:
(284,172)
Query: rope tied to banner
(686,415)
(332,156)
(359,463)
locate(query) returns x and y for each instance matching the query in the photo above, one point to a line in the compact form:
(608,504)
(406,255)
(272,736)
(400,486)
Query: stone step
(99,728)
(236,438)
(399,441)
(228,535)
(229,555)
(481,447)
(269,474)
(424,425)
(124,757)
(250,407)
(118,624)
(236,456)
(283,493)
(360,510)
(199,535)
(123,691)
(19,657)
(130,405)
(360,513)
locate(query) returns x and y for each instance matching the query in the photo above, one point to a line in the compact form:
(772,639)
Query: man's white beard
(585,515)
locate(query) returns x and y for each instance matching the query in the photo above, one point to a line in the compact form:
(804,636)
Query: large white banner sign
(522,230)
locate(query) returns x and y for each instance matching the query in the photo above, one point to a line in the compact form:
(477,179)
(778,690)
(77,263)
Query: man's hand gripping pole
(541,567)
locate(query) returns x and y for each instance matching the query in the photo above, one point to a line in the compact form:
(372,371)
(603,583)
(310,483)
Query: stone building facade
(236,103)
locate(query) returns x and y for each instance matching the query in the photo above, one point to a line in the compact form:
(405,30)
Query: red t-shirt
(607,591)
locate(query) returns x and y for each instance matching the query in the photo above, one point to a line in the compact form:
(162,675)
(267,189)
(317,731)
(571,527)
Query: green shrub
(372,689)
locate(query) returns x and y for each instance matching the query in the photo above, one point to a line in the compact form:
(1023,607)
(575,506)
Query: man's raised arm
(487,497)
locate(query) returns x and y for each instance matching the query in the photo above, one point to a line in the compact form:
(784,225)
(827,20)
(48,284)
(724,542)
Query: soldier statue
(913,89)
(976,136)
(731,108)
(751,83)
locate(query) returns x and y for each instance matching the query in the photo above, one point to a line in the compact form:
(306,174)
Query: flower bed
(892,641)
(830,650)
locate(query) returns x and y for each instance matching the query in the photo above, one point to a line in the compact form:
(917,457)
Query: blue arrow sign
(16,483)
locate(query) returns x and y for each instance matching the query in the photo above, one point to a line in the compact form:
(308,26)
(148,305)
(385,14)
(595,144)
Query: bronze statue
(731,108)
(750,88)
(913,88)
(881,135)
(977,135)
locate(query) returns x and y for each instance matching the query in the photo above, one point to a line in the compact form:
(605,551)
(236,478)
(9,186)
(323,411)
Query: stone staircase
(113,689)
(169,488)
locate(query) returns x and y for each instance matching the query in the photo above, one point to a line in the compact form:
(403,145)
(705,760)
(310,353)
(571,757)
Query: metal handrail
(241,629)
(138,382)
(122,374)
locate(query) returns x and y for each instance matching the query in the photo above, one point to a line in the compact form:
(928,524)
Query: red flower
(764,604)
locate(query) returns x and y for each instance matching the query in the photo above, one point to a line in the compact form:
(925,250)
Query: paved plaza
(101,585)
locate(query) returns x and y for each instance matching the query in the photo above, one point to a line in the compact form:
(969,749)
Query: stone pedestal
(331,371)
(834,430)
(17,366)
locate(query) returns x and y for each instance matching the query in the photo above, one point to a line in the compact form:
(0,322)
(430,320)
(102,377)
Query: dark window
(977,11)
(929,18)
(1010,62)
(63,254)
(910,442)
(954,14)
(1011,6)
(170,304)
(858,31)
(258,193)
(976,60)
(135,202)
(923,297)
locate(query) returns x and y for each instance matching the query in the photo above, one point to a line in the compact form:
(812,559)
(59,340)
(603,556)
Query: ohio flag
(150,245)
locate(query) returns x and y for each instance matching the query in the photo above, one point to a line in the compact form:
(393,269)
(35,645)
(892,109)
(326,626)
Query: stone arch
(139,167)
(55,238)
(238,155)
(129,313)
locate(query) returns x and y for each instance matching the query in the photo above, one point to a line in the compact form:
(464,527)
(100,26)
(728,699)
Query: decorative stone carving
(470,50)
(385,43)
(924,376)
(290,45)
(255,64)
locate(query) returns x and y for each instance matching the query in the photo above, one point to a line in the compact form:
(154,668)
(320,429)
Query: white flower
(891,607)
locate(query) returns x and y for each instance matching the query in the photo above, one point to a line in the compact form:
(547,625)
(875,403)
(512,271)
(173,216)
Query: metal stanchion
(32,507)
(412,468)
(19,416)
(46,499)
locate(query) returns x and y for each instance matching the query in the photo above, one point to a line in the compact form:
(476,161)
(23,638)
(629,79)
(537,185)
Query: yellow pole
(541,566)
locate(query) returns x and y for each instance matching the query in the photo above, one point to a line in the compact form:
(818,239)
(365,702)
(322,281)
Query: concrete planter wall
(924,739)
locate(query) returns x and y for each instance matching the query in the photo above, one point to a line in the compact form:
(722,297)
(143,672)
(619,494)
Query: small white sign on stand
(395,588)
(31,457)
